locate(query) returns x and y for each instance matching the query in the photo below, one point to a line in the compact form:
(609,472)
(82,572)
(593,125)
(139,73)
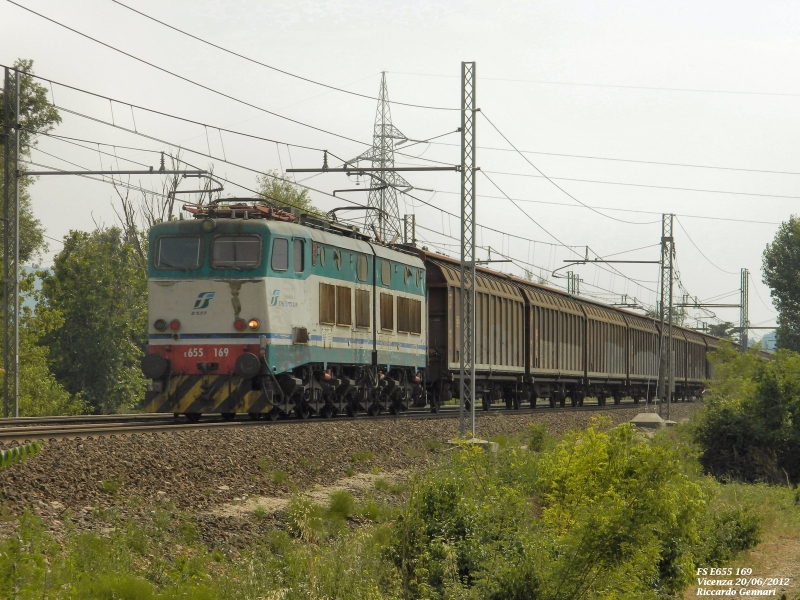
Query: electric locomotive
(257,310)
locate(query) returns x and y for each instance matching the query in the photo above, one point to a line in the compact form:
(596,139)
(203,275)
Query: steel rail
(9,435)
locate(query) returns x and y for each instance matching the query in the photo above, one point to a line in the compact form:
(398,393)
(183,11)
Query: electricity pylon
(385,216)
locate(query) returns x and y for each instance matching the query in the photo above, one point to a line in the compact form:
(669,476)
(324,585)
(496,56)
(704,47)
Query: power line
(645,185)
(755,287)
(186,79)
(647,212)
(608,85)
(630,160)
(176,117)
(276,69)
(555,184)
(614,269)
(712,263)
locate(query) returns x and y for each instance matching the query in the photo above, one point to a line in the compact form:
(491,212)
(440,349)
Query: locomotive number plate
(206,352)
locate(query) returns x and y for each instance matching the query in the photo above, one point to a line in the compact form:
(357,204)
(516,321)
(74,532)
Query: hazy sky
(557,78)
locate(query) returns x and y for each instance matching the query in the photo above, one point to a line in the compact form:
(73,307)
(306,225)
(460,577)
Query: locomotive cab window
(236,252)
(178,252)
(299,256)
(361,267)
(386,272)
(280,254)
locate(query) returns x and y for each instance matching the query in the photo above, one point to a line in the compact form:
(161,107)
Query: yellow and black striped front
(206,394)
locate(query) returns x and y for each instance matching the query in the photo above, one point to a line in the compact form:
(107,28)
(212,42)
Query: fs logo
(203,298)
(274,300)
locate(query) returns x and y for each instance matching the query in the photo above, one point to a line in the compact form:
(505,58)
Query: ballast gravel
(197,471)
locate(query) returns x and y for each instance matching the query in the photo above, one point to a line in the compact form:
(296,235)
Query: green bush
(750,428)
(537,435)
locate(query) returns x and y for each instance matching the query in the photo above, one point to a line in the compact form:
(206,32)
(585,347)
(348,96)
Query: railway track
(90,427)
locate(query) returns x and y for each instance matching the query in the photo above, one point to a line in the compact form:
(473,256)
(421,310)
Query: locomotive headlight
(209,225)
(174,324)
(160,325)
(239,324)
(253,324)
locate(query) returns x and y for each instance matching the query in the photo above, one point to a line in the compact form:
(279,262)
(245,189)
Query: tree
(37,116)
(100,291)
(40,394)
(284,194)
(721,330)
(780,267)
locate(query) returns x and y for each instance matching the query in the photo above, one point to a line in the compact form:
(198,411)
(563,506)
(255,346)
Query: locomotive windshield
(236,252)
(178,252)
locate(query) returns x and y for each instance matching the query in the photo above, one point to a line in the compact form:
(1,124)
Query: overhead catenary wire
(273,68)
(538,170)
(712,263)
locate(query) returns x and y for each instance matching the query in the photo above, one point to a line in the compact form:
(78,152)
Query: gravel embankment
(198,470)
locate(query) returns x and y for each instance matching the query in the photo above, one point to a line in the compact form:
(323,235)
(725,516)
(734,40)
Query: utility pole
(11,93)
(6,237)
(17,87)
(744,310)
(666,371)
(468,224)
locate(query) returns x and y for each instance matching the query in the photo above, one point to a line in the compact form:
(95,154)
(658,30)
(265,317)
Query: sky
(633,108)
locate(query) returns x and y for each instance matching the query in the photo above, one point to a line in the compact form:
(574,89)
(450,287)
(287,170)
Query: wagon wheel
(435,405)
(254,416)
(302,411)
(351,411)
(273,414)
(228,416)
(485,403)
(193,417)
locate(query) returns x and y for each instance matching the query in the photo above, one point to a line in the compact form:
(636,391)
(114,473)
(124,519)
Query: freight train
(258,310)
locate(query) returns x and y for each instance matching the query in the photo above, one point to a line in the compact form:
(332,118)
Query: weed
(432,445)
(111,486)
(375,469)
(310,467)
(413,452)
(350,471)
(362,456)
(501,440)
(260,513)
(537,436)
(341,504)
(384,485)
(264,464)
(375,511)
(303,519)
(279,477)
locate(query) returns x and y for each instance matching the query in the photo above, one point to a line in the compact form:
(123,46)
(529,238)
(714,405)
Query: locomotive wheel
(509,403)
(228,416)
(193,417)
(374,410)
(517,402)
(573,401)
(562,400)
(485,404)
(394,410)
(351,411)
(636,400)
(328,411)
(254,416)
(302,412)
(580,402)
(552,402)
(533,402)
(435,406)
(617,399)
